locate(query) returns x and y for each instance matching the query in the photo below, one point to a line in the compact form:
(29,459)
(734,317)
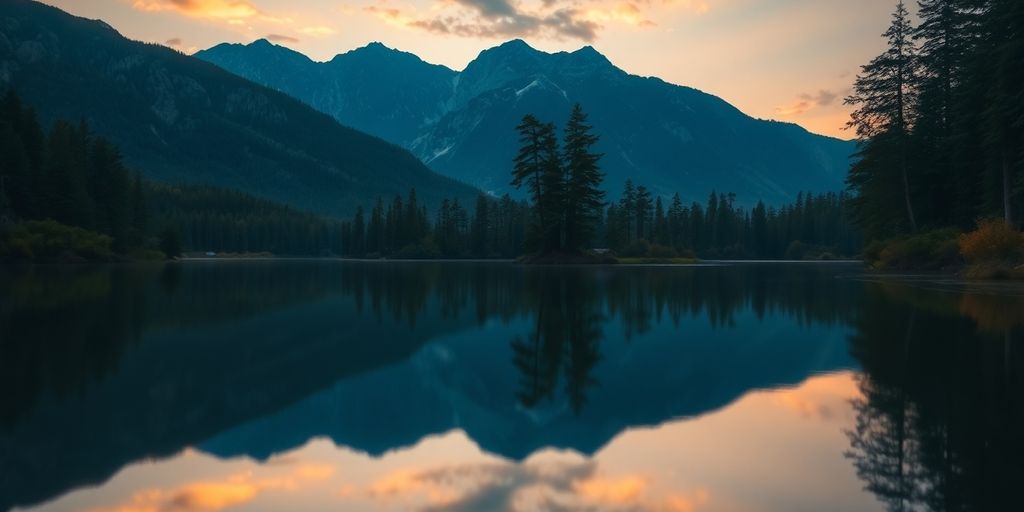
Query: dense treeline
(496,228)
(218,220)
(566,215)
(68,175)
(813,226)
(637,225)
(68,191)
(940,117)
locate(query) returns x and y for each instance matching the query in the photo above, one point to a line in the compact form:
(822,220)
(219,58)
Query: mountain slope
(668,137)
(179,119)
(388,93)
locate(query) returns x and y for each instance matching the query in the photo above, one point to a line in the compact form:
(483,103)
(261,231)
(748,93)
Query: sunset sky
(790,60)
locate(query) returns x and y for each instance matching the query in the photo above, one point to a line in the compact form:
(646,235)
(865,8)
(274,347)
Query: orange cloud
(217,9)
(809,101)
(686,502)
(625,12)
(695,6)
(531,485)
(279,38)
(199,496)
(214,496)
(824,397)
(603,490)
(318,30)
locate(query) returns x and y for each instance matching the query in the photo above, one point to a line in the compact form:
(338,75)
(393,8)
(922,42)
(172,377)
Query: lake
(333,385)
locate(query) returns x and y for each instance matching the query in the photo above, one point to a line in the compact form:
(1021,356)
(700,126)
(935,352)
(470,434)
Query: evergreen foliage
(814,226)
(940,119)
(68,175)
(208,219)
(75,178)
(564,185)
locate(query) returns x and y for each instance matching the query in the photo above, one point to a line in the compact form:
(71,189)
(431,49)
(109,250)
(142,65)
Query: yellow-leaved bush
(993,240)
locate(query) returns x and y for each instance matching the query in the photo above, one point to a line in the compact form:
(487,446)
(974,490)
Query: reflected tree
(565,341)
(942,400)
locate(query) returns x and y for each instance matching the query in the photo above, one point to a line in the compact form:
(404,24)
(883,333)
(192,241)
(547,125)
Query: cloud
(548,19)
(628,12)
(174,41)
(279,38)
(558,485)
(822,97)
(218,9)
(234,12)
(216,495)
(210,496)
(318,30)
(809,101)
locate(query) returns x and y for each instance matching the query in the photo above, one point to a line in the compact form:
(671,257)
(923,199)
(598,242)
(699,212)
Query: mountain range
(181,120)
(461,123)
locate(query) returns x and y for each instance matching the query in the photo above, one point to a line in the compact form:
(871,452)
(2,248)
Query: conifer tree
(584,199)
(884,98)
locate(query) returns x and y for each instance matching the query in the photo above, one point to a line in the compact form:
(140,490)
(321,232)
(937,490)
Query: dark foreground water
(325,385)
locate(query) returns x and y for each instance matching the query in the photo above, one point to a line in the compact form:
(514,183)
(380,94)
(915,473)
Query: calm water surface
(326,385)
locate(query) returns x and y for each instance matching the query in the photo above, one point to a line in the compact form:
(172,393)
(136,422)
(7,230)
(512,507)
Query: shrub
(795,250)
(994,240)
(170,242)
(930,250)
(637,248)
(426,249)
(47,240)
(661,251)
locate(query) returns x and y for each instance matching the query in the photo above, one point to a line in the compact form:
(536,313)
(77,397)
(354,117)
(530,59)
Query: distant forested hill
(181,120)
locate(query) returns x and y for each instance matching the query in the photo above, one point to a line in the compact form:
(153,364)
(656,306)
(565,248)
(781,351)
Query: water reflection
(185,362)
(939,422)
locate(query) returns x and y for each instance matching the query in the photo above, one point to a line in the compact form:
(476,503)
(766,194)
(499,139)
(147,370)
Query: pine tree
(1005,102)
(642,212)
(884,97)
(359,233)
(627,210)
(677,223)
(140,212)
(584,199)
(481,243)
(660,224)
(538,167)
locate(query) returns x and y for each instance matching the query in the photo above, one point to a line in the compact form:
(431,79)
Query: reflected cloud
(560,484)
(213,496)
(824,398)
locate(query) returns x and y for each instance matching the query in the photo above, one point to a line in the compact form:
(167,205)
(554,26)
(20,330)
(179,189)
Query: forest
(566,215)
(66,194)
(940,120)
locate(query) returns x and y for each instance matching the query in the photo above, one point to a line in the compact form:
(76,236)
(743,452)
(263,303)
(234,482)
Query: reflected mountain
(566,377)
(254,358)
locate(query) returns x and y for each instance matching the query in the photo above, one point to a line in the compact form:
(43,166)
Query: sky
(789,60)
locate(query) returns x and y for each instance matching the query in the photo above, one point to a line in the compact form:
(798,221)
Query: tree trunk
(906,196)
(1007,186)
